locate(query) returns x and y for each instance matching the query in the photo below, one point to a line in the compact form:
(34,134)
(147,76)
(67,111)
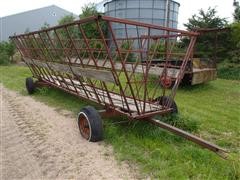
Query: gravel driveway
(37,142)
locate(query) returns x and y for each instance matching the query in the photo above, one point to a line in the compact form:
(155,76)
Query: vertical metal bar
(75,48)
(183,66)
(154,52)
(66,29)
(47,58)
(113,67)
(64,51)
(139,43)
(66,83)
(35,67)
(148,64)
(74,84)
(69,61)
(48,74)
(38,55)
(53,47)
(18,43)
(94,60)
(123,66)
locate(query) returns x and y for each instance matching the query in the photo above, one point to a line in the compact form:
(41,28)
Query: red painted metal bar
(145,74)
(130,22)
(51,56)
(79,57)
(35,68)
(45,46)
(22,52)
(212,147)
(46,58)
(183,66)
(123,66)
(113,67)
(95,62)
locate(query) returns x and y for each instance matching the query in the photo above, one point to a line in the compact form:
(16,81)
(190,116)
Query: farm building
(30,20)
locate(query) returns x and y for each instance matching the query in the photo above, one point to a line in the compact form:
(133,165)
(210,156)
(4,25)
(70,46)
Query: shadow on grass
(197,87)
(143,129)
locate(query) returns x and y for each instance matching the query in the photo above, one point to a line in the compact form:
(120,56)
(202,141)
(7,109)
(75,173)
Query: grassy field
(210,111)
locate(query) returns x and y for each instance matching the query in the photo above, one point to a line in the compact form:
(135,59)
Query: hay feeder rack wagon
(92,60)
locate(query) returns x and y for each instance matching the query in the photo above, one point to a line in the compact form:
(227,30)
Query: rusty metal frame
(59,59)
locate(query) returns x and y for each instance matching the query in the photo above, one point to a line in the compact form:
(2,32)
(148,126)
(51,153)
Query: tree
(234,50)
(27,30)
(208,19)
(7,50)
(65,35)
(73,31)
(4,58)
(236,14)
(45,26)
(66,19)
(89,10)
(44,35)
(90,29)
(205,45)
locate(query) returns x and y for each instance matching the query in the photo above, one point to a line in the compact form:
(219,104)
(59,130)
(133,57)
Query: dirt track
(39,143)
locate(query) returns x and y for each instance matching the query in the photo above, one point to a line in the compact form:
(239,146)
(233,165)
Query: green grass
(209,110)
(229,71)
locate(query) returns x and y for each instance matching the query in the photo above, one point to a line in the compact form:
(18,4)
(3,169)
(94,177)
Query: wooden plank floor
(117,99)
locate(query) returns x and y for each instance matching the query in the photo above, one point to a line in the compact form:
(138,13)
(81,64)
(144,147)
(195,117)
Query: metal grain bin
(159,12)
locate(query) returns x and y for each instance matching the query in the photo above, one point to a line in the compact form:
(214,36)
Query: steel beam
(212,147)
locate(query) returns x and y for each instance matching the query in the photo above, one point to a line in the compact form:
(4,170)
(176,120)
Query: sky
(187,7)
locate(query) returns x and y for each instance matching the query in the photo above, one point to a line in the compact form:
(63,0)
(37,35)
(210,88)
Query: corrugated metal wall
(32,20)
(148,11)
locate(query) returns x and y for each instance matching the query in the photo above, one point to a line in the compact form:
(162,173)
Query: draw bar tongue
(212,147)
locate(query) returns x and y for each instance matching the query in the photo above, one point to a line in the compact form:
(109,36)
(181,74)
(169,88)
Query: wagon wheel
(162,100)
(90,124)
(30,85)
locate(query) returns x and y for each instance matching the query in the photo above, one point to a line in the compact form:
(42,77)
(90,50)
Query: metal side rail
(212,147)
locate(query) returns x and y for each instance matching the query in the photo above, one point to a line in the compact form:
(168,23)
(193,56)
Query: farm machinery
(116,71)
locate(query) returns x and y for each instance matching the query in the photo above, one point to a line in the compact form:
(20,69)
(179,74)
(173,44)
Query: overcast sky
(187,8)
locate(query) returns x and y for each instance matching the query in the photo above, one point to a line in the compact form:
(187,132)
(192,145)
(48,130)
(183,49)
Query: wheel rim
(84,126)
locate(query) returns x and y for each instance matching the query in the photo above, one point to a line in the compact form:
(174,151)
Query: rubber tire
(163,99)
(95,123)
(30,86)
